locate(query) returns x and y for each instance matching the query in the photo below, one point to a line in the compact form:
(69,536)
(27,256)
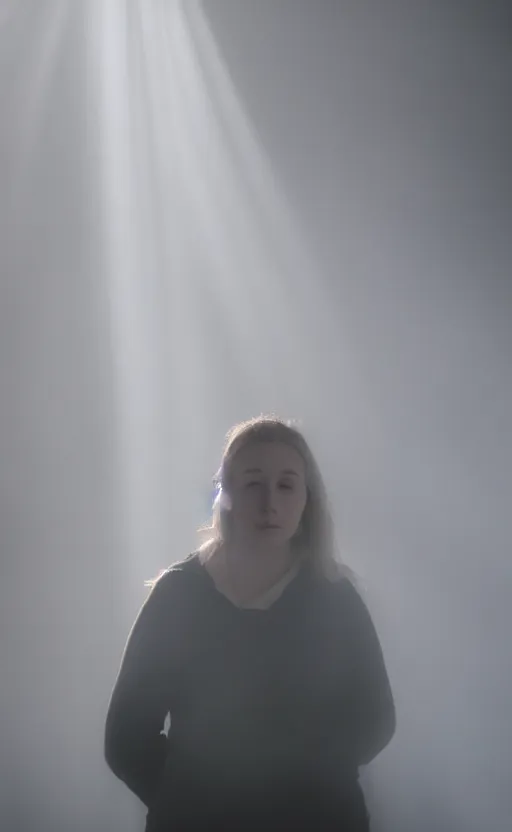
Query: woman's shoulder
(190,563)
(345,594)
(175,573)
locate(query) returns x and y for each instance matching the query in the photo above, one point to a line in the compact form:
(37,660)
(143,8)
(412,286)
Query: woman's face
(267,493)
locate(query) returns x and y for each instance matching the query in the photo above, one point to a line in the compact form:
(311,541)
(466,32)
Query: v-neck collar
(269,599)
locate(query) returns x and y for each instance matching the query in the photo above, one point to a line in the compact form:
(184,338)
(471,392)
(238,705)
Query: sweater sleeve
(134,747)
(373,708)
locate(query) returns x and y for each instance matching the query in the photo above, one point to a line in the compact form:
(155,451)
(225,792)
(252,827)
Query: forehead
(270,457)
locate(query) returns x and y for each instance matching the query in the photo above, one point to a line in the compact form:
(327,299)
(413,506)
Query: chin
(273,534)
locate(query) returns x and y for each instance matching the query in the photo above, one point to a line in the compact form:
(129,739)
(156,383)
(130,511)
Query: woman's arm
(135,749)
(373,705)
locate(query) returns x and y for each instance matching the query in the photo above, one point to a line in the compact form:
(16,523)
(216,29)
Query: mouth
(269,526)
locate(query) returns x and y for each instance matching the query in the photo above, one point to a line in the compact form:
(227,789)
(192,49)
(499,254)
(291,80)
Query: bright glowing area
(200,246)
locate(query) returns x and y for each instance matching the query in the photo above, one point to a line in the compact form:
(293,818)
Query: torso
(257,687)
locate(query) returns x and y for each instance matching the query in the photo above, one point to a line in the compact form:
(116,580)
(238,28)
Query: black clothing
(272,711)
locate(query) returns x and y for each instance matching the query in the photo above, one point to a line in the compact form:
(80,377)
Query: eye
(251,484)
(286,485)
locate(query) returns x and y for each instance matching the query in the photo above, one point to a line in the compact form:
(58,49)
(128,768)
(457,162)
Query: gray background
(167,268)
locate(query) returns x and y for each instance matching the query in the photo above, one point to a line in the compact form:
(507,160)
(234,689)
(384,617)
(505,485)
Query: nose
(267,499)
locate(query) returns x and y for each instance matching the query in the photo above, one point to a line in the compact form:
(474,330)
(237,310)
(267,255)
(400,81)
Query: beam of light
(210,288)
(46,29)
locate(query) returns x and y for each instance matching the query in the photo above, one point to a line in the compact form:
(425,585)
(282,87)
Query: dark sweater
(272,711)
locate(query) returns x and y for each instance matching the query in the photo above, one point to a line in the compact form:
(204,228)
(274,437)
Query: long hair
(316,538)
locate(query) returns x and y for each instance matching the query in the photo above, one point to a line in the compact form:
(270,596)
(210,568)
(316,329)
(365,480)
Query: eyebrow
(259,471)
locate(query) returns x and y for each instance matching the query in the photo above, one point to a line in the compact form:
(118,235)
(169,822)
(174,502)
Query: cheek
(244,506)
(296,507)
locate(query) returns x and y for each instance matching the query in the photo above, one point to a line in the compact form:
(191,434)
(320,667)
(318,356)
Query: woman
(264,655)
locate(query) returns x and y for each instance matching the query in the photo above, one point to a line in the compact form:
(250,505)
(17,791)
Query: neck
(252,570)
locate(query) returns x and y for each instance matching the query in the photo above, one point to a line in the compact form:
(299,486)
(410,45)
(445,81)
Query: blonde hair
(316,538)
